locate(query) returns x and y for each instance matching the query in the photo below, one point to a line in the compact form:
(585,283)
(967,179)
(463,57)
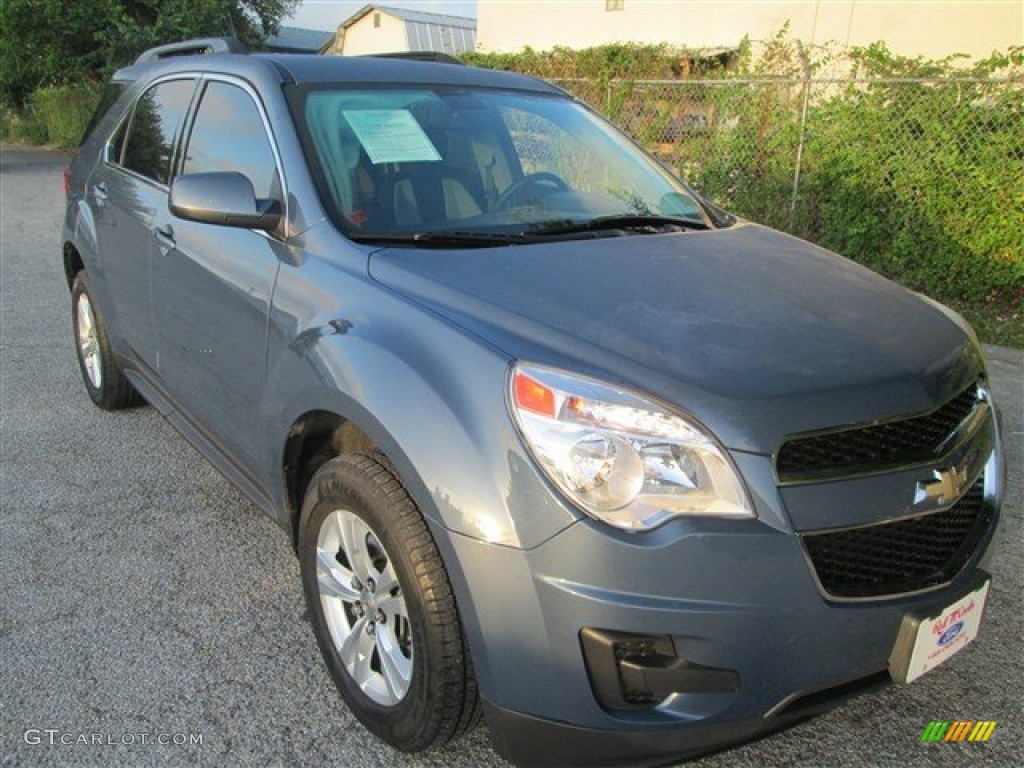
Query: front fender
(430,395)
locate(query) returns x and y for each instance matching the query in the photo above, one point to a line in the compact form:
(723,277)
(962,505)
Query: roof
(299,40)
(373,69)
(421,17)
(309,69)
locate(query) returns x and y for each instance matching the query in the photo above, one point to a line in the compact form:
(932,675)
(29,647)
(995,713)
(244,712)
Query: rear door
(125,192)
(212,285)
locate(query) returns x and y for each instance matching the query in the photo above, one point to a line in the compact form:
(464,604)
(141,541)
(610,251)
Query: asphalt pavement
(147,606)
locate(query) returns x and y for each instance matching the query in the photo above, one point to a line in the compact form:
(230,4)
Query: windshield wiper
(630,222)
(603,226)
(442,238)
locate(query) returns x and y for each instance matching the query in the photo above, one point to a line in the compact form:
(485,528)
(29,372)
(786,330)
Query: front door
(212,284)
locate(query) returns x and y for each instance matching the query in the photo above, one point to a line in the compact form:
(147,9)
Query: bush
(924,184)
(22,128)
(64,111)
(922,180)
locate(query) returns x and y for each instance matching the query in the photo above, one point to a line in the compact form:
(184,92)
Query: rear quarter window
(154,127)
(111,93)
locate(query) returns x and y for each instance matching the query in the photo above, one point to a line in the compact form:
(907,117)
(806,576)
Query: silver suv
(558,441)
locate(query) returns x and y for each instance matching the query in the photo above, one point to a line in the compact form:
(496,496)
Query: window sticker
(391,136)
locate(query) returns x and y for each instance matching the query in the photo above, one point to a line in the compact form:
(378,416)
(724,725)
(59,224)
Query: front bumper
(739,597)
(745,637)
(530,741)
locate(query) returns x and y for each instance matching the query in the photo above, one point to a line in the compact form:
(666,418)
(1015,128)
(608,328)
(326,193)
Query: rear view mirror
(225,198)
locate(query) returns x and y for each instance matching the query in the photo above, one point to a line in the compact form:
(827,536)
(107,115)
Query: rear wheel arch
(103,377)
(73,263)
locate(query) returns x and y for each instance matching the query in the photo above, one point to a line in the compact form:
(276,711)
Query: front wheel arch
(315,438)
(442,700)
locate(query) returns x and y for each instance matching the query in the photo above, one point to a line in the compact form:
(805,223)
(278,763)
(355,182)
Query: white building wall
(363,38)
(910,28)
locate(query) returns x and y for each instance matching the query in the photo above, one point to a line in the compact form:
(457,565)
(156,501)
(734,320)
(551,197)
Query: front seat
(432,196)
(435,193)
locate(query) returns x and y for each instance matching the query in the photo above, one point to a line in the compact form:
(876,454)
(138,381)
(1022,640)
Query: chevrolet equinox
(560,443)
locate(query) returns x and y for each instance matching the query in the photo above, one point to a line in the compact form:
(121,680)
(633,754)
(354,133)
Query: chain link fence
(918,177)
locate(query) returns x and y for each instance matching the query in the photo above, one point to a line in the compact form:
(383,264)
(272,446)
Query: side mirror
(224,198)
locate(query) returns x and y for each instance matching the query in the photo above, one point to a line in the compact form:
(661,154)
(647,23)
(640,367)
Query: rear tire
(382,606)
(106,384)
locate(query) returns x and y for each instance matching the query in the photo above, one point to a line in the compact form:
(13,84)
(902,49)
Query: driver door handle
(164,235)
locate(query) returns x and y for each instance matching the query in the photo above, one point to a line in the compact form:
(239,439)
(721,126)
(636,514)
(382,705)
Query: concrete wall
(931,29)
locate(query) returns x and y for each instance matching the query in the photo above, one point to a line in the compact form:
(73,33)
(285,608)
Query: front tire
(382,606)
(107,386)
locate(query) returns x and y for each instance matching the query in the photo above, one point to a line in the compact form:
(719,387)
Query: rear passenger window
(228,135)
(154,127)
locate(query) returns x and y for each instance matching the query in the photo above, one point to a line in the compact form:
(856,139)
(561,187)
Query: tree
(53,42)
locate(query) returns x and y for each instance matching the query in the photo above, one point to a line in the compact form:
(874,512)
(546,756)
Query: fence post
(800,140)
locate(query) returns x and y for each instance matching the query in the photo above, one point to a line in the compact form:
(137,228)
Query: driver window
(228,135)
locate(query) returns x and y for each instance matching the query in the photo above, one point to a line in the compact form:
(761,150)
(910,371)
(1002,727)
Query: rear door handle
(164,235)
(100,191)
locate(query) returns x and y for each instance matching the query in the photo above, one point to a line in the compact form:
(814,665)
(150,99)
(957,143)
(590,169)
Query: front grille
(902,556)
(907,441)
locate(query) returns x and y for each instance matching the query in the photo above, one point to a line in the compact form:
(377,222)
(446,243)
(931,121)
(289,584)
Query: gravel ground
(142,594)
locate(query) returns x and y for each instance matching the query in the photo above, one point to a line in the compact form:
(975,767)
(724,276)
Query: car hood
(755,333)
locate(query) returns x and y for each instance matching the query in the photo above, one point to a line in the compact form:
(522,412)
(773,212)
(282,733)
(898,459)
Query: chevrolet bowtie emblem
(946,487)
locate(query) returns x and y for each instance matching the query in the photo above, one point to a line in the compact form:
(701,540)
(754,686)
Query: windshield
(415,163)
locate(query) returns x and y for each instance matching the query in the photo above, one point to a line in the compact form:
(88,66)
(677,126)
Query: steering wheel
(517,189)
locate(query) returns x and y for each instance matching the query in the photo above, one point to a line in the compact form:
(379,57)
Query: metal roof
(407,14)
(299,40)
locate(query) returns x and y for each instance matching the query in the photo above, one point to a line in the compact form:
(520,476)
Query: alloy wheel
(364,607)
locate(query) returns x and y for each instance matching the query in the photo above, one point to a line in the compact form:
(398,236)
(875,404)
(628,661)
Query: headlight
(623,459)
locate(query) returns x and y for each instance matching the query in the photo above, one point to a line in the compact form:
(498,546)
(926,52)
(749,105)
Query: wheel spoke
(392,606)
(335,580)
(84,318)
(387,581)
(88,341)
(353,539)
(396,669)
(349,649)
(359,646)
(94,370)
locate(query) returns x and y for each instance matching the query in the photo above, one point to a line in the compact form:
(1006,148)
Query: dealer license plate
(925,643)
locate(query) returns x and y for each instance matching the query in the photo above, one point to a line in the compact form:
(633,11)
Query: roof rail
(193,47)
(442,58)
